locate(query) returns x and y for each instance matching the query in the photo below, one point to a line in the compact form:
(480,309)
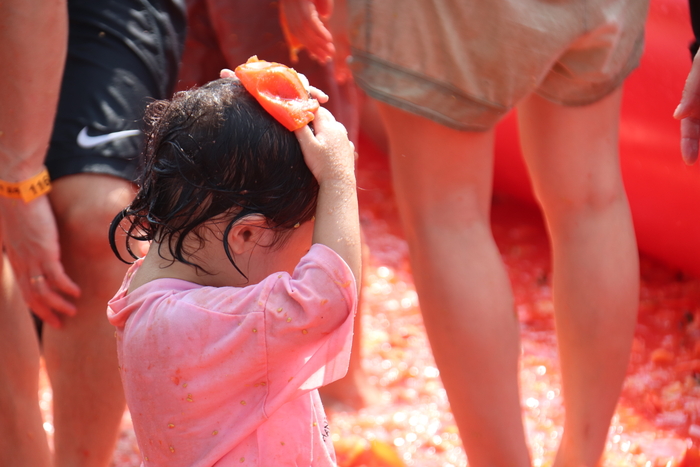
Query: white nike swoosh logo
(86,141)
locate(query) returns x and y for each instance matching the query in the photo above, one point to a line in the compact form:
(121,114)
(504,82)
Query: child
(233,319)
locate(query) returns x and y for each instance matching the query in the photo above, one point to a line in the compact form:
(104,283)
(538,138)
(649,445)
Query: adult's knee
(83,230)
(586,196)
(84,208)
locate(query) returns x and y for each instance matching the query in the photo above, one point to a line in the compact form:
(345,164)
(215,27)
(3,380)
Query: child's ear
(247,233)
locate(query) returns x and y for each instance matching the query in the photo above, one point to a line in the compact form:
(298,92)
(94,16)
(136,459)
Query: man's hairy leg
(81,357)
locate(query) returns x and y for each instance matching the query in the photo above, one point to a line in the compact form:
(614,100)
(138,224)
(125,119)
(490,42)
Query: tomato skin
(279,90)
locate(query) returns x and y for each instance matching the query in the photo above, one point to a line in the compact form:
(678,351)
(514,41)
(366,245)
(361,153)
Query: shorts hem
(600,91)
(92,165)
(580,102)
(420,95)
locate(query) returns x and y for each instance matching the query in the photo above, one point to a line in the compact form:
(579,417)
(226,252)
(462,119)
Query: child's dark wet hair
(214,151)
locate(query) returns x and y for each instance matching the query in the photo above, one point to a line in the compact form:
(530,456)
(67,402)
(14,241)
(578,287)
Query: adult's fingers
(46,290)
(690,100)
(688,112)
(30,239)
(59,280)
(320,45)
(46,314)
(44,279)
(43,299)
(305,25)
(690,136)
(317,39)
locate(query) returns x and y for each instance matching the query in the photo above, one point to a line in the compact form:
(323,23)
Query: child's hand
(330,156)
(317,94)
(328,153)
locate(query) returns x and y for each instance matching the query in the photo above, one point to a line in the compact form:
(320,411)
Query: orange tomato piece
(279,90)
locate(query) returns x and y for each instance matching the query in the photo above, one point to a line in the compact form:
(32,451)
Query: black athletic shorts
(122,54)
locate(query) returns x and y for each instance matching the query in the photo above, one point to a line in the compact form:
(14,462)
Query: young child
(243,305)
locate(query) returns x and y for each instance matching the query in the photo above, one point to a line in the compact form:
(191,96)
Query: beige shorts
(466,63)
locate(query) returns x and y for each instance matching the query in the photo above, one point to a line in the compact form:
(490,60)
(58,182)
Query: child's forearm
(337,221)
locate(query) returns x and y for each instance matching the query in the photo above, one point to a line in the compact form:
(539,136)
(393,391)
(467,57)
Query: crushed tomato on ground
(657,422)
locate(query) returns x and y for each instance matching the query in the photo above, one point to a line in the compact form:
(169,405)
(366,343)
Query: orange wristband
(29,189)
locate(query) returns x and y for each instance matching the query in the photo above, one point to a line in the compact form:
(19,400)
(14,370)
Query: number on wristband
(29,189)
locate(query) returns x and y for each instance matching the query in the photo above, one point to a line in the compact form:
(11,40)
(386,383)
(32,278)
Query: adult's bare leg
(572,154)
(22,436)
(442,180)
(81,357)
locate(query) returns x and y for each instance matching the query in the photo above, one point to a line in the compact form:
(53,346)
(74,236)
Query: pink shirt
(226,376)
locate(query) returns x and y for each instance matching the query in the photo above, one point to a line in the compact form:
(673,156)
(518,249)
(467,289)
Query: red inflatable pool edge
(664,193)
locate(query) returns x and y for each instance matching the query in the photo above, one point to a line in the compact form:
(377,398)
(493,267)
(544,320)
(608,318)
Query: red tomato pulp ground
(657,422)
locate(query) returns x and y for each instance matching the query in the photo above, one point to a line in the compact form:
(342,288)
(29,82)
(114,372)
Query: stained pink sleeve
(308,320)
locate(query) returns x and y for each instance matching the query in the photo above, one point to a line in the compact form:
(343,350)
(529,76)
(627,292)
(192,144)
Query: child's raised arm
(331,158)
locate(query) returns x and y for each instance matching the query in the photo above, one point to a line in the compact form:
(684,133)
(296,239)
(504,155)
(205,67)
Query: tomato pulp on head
(279,90)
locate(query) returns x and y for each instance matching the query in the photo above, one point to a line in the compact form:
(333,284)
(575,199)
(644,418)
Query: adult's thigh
(438,172)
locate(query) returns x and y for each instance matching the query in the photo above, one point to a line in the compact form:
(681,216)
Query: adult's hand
(688,112)
(30,239)
(304,21)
